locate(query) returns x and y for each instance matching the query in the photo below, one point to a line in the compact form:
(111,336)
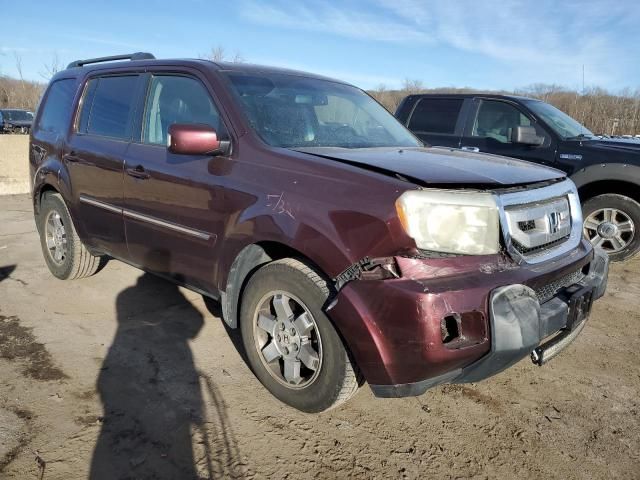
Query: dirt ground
(123,374)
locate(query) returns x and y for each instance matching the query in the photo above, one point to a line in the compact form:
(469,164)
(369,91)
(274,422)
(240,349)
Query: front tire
(612,222)
(291,345)
(64,253)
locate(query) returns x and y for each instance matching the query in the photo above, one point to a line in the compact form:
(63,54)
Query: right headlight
(451,221)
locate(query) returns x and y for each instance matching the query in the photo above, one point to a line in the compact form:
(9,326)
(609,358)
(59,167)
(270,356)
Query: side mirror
(526,135)
(194,139)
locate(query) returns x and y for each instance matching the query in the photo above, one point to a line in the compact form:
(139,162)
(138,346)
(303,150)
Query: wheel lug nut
(293,331)
(295,347)
(282,326)
(286,351)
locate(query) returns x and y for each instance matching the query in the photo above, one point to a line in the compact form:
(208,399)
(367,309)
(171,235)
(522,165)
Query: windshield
(292,112)
(16,115)
(560,122)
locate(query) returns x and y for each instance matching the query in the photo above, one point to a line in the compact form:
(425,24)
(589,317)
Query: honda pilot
(344,250)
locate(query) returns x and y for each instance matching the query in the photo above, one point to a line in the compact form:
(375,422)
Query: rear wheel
(291,345)
(611,222)
(64,253)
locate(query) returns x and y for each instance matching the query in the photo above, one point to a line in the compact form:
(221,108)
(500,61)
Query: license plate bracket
(580,302)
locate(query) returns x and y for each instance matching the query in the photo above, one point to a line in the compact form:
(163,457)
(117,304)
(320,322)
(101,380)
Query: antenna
(583,110)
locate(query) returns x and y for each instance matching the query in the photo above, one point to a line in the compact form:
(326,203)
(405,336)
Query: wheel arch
(245,264)
(604,178)
(601,187)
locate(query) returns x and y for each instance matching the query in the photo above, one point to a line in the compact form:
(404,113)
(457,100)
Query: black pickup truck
(606,171)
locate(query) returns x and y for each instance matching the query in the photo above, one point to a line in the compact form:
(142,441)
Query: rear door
(95,158)
(438,121)
(174,203)
(489,128)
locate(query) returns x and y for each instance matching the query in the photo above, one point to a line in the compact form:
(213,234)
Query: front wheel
(611,222)
(291,345)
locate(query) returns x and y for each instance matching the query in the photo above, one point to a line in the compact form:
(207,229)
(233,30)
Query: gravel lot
(123,374)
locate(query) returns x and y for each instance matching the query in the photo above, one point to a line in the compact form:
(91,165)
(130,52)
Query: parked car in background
(605,170)
(15,121)
(342,249)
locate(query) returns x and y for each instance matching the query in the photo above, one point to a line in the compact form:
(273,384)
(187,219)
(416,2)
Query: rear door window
(436,115)
(56,111)
(107,106)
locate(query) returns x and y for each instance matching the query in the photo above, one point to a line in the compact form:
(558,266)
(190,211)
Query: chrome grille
(534,226)
(541,223)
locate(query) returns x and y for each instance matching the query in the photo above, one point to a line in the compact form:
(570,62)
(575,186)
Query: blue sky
(482,44)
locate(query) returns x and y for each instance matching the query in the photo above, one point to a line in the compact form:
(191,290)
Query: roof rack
(128,56)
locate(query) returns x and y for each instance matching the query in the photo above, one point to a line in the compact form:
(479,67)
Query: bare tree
(218,54)
(51,68)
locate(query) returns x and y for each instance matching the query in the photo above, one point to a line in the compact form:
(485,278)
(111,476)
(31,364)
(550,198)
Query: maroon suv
(343,248)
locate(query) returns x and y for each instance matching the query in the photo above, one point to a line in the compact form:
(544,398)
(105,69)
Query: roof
(142,59)
(472,95)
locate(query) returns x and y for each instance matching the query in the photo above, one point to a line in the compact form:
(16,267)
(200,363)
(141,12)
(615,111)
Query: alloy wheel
(56,237)
(287,339)
(610,229)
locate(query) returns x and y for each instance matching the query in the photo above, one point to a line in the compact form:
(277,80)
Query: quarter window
(174,99)
(436,115)
(107,106)
(497,120)
(56,110)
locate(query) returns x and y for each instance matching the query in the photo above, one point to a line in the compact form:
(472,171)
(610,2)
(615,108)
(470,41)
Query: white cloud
(327,18)
(545,41)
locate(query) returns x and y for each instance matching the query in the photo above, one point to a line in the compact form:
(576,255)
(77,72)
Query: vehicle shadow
(155,423)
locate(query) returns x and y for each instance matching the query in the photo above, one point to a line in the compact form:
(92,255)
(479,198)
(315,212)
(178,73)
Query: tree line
(599,110)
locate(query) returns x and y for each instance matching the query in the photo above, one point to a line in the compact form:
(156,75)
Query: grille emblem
(554,221)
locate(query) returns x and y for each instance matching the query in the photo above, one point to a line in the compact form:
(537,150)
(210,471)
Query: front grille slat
(548,291)
(540,248)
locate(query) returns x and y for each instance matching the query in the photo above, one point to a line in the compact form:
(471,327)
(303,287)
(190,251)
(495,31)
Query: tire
(293,283)
(612,222)
(75,261)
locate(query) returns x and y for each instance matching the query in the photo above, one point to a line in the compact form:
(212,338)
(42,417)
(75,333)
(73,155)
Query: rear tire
(612,222)
(64,253)
(291,345)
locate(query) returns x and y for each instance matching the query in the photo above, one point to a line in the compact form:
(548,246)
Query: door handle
(138,172)
(470,149)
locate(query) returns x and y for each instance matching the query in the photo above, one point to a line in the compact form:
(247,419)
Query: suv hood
(442,166)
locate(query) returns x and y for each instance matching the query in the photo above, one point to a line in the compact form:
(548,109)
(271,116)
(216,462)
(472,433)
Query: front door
(172,202)
(95,159)
(489,131)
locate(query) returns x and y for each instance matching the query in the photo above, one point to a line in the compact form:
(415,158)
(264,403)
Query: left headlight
(451,221)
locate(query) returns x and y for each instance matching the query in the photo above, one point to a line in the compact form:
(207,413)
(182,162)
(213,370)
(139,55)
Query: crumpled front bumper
(519,326)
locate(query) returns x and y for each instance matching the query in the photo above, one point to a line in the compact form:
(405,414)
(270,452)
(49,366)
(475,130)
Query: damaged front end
(417,320)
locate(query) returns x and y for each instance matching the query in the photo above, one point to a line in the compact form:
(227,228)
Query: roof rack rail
(128,56)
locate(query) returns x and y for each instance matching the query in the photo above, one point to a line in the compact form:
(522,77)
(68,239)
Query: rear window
(436,115)
(56,111)
(107,106)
